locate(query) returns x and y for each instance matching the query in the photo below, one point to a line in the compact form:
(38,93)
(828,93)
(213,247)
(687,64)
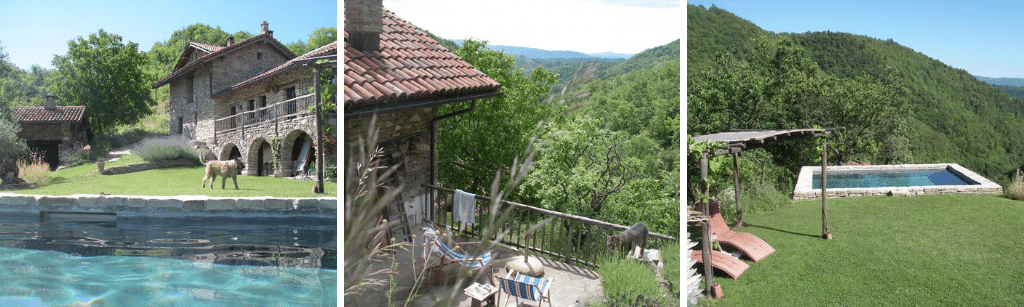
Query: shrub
(628,278)
(34,169)
(165,149)
(1015,190)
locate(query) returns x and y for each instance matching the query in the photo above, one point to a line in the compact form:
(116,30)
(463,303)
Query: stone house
(54,131)
(396,72)
(251,99)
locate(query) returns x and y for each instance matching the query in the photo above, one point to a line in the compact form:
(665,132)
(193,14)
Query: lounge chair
(749,244)
(523,286)
(722,261)
(432,243)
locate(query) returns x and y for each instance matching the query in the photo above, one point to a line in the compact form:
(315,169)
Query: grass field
(168,182)
(940,250)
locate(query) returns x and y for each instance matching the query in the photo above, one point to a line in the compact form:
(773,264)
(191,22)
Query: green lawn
(942,250)
(172,181)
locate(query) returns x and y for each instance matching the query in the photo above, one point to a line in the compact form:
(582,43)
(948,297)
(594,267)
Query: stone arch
(229,151)
(261,158)
(291,149)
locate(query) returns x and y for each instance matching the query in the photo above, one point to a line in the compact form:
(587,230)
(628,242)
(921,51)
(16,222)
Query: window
(233,112)
(188,90)
(252,108)
(195,119)
(263,110)
(181,125)
(290,94)
(259,55)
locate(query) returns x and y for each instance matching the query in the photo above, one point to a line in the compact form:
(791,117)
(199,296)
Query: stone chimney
(50,103)
(231,40)
(265,28)
(363,22)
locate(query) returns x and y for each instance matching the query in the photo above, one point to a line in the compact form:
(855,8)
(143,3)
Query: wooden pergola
(736,141)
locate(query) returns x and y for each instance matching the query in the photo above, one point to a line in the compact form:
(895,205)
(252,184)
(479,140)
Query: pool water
(888,178)
(167,262)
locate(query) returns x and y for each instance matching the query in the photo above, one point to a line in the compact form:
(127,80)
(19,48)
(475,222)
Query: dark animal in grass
(225,169)
(625,241)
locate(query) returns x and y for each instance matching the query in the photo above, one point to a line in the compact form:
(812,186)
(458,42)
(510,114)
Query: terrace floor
(571,285)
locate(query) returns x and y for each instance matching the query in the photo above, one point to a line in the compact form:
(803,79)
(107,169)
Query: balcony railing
(572,238)
(273,114)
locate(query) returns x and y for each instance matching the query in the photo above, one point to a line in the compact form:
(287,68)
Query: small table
(481,293)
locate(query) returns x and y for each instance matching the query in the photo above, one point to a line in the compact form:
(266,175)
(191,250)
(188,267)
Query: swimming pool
(167,262)
(906,179)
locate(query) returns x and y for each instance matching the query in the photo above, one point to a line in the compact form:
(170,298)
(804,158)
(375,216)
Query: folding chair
(432,243)
(523,286)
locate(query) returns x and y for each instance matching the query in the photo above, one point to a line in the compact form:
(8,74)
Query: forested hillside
(951,116)
(614,157)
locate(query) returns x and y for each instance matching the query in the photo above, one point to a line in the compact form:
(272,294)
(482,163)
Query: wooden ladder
(395,210)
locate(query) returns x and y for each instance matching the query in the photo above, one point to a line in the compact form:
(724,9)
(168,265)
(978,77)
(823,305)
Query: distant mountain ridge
(541,54)
(1002,81)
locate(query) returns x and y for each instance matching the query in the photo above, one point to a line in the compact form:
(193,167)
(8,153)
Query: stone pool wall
(173,206)
(803,190)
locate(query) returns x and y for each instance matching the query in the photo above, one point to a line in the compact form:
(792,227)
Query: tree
(106,76)
(318,38)
(472,147)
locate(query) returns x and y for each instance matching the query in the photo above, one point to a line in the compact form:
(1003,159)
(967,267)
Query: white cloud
(547,24)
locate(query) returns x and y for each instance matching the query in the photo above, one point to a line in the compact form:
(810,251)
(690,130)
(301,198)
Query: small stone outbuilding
(54,131)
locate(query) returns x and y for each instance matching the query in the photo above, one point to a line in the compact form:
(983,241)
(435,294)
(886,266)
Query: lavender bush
(166,148)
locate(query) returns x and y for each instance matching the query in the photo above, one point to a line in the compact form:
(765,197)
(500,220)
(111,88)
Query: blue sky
(589,26)
(985,38)
(32,32)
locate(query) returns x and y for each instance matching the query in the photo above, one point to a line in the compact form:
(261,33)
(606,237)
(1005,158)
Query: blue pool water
(167,262)
(888,178)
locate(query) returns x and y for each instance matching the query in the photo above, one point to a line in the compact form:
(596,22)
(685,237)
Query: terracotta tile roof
(43,115)
(409,66)
(292,64)
(213,51)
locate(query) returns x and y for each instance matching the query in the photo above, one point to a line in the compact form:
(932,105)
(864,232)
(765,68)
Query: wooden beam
(824,196)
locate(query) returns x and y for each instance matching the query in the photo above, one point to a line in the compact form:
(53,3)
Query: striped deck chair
(432,244)
(523,286)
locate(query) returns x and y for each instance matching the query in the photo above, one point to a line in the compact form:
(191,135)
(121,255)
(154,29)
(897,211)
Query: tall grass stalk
(34,169)
(1015,190)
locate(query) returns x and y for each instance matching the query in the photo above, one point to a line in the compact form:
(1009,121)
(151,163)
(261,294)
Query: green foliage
(318,38)
(476,145)
(582,167)
(106,76)
(11,146)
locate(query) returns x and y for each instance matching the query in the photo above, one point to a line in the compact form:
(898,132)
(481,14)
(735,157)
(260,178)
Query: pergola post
(824,196)
(736,187)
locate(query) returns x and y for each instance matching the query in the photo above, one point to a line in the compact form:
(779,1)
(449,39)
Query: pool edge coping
(803,190)
(174,206)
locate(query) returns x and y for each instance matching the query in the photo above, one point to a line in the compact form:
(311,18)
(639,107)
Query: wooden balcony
(275,114)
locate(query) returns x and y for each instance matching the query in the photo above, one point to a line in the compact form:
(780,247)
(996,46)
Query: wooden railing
(272,114)
(568,237)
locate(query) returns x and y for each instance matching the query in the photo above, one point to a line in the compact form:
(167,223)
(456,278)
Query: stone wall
(173,206)
(405,138)
(138,167)
(243,63)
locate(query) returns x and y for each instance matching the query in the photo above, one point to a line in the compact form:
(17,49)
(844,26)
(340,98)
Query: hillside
(953,116)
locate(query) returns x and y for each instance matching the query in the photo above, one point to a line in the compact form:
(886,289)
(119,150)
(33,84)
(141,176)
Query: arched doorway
(303,155)
(263,154)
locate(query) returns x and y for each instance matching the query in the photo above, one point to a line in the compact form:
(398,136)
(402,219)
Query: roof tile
(409,65)
(42,114)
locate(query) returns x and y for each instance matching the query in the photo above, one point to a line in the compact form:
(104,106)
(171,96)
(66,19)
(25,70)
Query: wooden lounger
(749,244)
(722,261)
